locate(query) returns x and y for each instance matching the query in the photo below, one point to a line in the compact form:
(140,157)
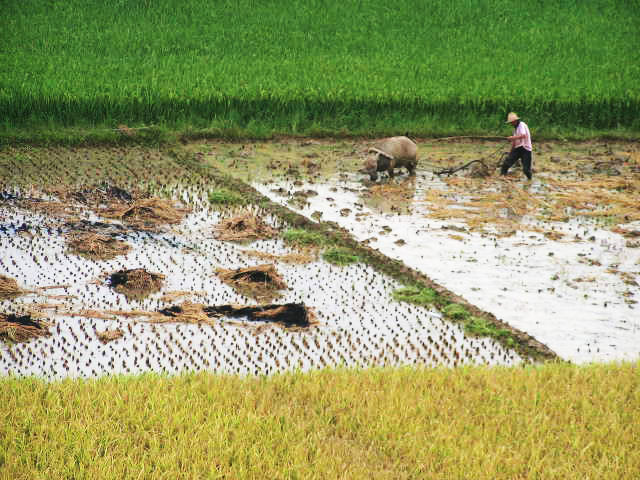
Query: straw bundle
(136,282)
(97,246)
(188,312)
(9,288)
(146,211)
(261,281)
(107,336)
(243,227)
(296,258)
(289,314)
(22,328)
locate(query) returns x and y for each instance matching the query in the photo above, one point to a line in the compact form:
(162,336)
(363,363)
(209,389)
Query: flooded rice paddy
(95,329)
(565,271)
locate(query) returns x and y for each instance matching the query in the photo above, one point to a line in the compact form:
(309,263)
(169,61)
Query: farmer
(520,146)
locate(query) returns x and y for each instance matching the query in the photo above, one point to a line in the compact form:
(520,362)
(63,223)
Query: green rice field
(247,68)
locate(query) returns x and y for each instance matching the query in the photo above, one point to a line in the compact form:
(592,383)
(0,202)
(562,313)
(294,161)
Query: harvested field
(136,283)
(22,328)
(97,246)
(358,322)
(246,226)
(525,266)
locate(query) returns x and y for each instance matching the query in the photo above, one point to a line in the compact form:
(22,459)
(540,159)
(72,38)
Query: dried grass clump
(296,258)
(92,195)
(96,246)
(22,328)
(9,288)
(146,212)
(243,227)
(107,336)
(53,208)
(261,281)
(136,283)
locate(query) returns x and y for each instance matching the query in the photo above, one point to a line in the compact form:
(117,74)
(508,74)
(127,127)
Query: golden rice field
(555,421)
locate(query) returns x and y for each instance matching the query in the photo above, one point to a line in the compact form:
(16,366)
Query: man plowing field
(520,146)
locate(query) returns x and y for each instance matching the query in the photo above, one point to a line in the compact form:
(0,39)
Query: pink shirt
(522,129)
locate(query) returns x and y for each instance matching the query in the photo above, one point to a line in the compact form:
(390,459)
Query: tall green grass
(550,422)
(320,66)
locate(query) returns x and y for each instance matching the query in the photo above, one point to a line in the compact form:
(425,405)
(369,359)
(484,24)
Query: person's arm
(513,138)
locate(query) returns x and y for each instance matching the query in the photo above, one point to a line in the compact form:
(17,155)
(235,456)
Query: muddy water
(359,324)
(561,292)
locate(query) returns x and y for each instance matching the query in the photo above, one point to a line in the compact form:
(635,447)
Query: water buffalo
(394,152)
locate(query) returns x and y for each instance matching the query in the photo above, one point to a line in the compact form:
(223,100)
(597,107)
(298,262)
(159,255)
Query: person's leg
(509,161)
(526,163)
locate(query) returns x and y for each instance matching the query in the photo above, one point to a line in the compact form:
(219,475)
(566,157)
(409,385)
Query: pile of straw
(107,336)
(146,212)
(296,258)
(9,288)
(243,227)
(288,314)
(188,312)
(96,246)
(22,328)
(136,283)
(261,281)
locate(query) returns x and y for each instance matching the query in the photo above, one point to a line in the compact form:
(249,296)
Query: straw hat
(512,117)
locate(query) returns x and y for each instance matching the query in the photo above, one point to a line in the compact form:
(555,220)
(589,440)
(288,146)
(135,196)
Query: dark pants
(516,154)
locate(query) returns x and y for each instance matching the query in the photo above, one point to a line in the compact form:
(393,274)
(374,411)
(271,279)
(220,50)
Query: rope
(473,137)
(452,170)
